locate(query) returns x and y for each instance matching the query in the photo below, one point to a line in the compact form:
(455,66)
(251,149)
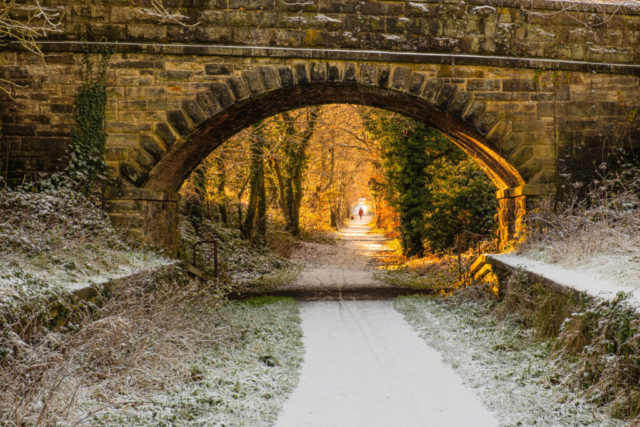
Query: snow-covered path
(365,367)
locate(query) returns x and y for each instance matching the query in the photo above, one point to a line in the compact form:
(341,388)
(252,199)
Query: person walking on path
(360,212)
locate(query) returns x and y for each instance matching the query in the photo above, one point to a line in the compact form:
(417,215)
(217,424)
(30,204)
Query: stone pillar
(150,216)
(512,208)
(511,212)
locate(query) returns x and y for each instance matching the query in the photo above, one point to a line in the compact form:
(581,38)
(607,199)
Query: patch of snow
(392,37)
(606,50)
(296,19)
(446,39)
(419,6)
(544,33)
(483,9)
(325,18)
(68,281)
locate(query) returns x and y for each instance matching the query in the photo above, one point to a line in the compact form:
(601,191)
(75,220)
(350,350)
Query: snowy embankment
(513,375)
(588,239)
(159,352)
(16,279)
(55,243)
(596,279)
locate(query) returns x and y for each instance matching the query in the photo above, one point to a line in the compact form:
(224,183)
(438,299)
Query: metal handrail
(215,255)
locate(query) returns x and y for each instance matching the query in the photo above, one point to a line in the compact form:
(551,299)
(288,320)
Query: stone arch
(233,103)
(177,165)
(229,105)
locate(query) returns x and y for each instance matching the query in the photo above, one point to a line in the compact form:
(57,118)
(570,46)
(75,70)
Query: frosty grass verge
(596,234)
(240,381)
(510,372)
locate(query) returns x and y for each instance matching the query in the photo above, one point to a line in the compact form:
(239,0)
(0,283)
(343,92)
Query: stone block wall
(159,104)
(524,29)
(537,98)
(150,217)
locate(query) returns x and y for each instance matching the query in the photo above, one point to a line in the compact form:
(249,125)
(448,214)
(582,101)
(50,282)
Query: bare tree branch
(164,15)
(25,23)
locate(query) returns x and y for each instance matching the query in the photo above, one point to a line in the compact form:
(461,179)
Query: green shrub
(436,189)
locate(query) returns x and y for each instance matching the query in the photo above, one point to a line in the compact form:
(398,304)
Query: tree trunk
(281,190)
(222,195)
(252,206)
(262,207)
(295,166)
(257,208)
(195,203)
(334,222)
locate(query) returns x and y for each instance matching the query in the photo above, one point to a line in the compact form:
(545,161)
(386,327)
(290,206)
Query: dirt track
(342,271)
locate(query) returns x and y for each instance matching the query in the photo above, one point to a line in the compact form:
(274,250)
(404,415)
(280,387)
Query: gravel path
(364,365)
(342,271)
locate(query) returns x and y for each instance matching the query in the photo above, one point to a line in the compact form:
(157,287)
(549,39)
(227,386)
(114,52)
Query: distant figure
(360,212)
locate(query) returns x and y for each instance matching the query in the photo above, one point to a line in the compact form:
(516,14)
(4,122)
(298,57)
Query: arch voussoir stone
(207,115)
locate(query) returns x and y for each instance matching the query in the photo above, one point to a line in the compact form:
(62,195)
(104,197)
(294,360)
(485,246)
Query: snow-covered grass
(596,233)
(155,349)
(514,374)
(54,241)
(243,265)
(240,378)
(161,351)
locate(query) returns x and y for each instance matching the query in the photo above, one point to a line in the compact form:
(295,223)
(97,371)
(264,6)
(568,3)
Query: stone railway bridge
(537,92)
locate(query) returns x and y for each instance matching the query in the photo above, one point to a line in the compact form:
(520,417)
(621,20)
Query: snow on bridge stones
(530,94)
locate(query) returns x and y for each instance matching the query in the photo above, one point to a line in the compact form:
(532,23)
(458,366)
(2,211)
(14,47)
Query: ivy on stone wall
(86,168)
(86,163)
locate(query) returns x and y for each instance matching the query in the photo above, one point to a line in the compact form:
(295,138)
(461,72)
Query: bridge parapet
(595,32)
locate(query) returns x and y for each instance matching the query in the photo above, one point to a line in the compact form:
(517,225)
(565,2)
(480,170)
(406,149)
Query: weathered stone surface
(179,122)
(178,92)
(152,147)
(238,88)
(254,81)
(163,130)
(193,112)
(269,77)
(221,93)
